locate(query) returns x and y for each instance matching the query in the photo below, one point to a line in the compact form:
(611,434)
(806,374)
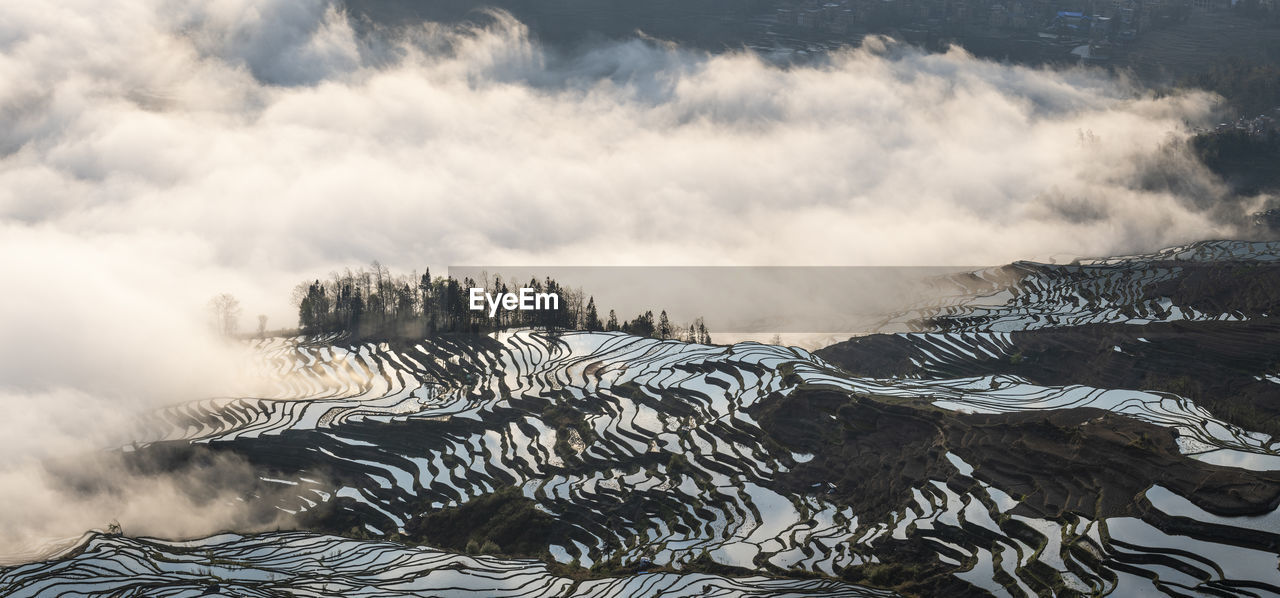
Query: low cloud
(273,138)
(54,502)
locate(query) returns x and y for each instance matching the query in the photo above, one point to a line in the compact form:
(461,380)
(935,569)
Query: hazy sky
(156,152)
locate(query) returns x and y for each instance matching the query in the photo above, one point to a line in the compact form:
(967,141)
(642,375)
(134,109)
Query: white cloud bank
(155,152)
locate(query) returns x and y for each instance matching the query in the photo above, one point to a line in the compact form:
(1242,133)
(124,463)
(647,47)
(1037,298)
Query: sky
(154,153)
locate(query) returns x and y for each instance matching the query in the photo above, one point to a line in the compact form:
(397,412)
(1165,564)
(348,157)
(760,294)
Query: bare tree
(262,325)
(225,310)
(574,301)
(300,292)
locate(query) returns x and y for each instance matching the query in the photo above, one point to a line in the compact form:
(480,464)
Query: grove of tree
(374,303)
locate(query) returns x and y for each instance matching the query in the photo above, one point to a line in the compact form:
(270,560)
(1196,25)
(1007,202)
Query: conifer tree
(593,317)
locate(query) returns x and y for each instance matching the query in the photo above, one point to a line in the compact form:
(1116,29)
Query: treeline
(374,303)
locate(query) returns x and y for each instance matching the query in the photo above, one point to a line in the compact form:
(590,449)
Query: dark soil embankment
(1084,461)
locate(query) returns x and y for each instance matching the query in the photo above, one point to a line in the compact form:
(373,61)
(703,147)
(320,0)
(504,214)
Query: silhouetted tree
(642,325)
(593,317)
(225,310)
(313,312)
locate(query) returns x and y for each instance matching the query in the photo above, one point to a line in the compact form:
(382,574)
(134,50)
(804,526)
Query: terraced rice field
(303,564)
(673,457)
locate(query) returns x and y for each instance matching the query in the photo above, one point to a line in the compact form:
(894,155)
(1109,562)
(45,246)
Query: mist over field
(156,152)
